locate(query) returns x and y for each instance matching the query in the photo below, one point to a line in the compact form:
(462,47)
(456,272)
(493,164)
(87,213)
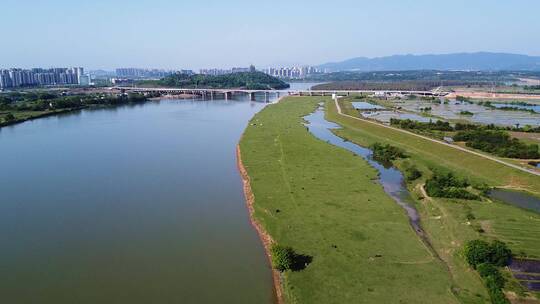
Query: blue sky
(208,33)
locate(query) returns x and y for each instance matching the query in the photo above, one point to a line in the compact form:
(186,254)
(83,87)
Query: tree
(500,254)
(487,270)
(477,252)
(9,117)
(282,257)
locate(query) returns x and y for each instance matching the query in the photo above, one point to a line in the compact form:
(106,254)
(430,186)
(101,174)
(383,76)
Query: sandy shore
(266,239)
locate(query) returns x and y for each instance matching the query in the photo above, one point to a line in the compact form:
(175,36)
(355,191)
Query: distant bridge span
(229,92)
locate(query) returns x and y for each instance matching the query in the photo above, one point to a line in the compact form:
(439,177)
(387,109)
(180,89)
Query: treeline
(498,143)
(360,85)
(410,124)
(532,87)
(49,103)
(244,80)
(445,126)
(446,78)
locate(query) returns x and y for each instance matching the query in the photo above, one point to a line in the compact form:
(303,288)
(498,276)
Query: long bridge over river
(228,93)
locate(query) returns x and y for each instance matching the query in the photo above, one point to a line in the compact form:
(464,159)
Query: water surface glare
(134,204)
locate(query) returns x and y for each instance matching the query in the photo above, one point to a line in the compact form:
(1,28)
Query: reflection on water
(132,204)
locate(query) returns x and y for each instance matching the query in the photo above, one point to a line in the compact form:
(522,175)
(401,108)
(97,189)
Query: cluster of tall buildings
(147,73)
(216,72)
(12,78)
(297,72)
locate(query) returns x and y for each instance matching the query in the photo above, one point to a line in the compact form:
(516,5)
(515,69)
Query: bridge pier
(228,95)
(252,96)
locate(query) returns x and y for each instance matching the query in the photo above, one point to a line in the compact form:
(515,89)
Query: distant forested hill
(482,61)
(245,80)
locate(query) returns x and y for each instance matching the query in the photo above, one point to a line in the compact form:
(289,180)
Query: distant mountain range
(482,61)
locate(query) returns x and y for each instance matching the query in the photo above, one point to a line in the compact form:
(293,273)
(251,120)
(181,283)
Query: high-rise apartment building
(11,78)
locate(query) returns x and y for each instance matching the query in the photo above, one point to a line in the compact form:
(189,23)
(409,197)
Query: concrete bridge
(228,93)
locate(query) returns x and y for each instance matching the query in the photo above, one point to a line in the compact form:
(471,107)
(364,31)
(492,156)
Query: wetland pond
(480,113)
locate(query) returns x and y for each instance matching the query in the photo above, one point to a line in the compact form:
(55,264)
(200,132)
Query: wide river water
(133,204)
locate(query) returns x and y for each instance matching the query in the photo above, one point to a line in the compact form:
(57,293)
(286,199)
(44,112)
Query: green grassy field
(450,222)
(431,154)
(324,202)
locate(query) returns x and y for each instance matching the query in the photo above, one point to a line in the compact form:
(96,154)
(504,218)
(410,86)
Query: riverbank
(41,114)
(326,203)
(15,112)
(450,223)
(265,238)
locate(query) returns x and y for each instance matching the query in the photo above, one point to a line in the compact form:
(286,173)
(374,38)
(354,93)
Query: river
(133,204)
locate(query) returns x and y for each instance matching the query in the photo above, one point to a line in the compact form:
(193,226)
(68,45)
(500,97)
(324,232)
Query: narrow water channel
(389,177)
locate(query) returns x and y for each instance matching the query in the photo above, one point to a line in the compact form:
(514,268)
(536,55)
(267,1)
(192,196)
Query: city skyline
(170,35)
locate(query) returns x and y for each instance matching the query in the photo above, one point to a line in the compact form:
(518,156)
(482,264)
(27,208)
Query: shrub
(282,257)
(386,153)
(448,186)
(412,173)
(500,254)
(487,270)
(477,252)
(495,293)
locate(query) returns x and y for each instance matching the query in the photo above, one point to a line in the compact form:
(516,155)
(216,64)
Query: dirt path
(438,142)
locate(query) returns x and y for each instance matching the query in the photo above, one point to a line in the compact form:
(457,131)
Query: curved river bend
(135,204)
(390,178)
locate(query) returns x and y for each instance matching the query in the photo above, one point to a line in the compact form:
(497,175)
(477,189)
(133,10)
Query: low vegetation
(498,143)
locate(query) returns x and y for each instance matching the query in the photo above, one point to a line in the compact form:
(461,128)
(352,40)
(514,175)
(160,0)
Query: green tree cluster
(498,143)
(448,186)
(386,153)
(485,258)
(244,80)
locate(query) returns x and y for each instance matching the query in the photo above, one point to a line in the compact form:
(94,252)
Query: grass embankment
(324,202)
(433,154)
(451,222)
